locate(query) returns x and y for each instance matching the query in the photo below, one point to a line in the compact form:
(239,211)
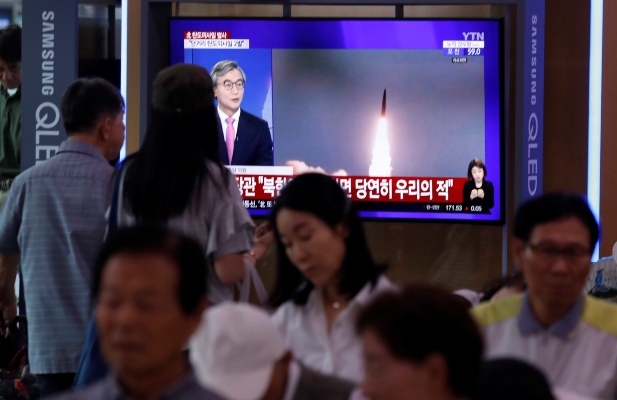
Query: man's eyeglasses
(229,85)
(550,253)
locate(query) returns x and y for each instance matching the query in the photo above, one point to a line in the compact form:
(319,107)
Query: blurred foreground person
(570,337)
(150,291)
(54,218)
(240,353)
(512,379)
(325,274)
(419,343)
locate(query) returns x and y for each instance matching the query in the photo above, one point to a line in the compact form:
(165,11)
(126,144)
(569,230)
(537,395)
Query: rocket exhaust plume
(381,163)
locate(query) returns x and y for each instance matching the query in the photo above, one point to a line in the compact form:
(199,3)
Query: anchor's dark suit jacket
(253,144)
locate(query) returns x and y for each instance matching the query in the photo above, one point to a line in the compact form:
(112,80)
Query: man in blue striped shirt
(54,221)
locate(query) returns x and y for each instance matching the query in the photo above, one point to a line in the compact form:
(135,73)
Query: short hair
(552,207)
(512,379)
(223,67)
(322,196)
(476,162)
(421,320)
(183,251)
(10,44)
(86,100)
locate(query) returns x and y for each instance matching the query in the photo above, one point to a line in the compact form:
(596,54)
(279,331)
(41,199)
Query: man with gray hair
(54,221)
(246,138)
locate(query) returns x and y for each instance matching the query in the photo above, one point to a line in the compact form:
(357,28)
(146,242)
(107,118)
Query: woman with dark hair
(176,180)
(325,274)
(478,193)
(176,177)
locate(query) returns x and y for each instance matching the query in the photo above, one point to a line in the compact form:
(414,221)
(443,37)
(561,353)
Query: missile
(383,104)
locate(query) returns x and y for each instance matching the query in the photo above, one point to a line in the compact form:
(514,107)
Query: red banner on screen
(207,35)
(364,188)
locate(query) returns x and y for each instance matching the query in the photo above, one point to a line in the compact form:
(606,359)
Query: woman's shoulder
(383,284)
(218,176)
(286,312)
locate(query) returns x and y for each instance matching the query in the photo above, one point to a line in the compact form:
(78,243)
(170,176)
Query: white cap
(234,350)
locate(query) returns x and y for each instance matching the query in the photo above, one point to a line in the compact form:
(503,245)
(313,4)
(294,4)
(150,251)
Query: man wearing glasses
(571,337)
(245,138)
(10,107)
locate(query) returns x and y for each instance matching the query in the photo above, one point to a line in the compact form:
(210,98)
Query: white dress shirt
(223,117)
(338,353)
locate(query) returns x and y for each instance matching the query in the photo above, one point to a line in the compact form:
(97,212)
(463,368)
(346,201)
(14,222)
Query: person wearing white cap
(239,352)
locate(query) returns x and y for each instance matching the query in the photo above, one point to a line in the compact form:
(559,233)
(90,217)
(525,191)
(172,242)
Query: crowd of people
(143,262)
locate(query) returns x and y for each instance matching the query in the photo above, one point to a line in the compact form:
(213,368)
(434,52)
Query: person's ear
(104,127)
(435,367)
(342,229)
(518,247)
(199,311)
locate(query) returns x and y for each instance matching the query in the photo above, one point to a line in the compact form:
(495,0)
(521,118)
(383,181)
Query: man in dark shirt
(10,107)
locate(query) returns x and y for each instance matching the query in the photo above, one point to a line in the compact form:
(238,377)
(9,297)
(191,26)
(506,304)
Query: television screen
(405,114)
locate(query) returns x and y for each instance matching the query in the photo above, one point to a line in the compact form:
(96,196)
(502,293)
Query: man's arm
(8,273)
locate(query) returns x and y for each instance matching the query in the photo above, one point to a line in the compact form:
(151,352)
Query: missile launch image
(381,164)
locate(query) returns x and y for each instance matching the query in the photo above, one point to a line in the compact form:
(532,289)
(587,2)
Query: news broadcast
(405,114)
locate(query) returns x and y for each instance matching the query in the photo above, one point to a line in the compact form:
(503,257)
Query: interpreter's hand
(474,194)
(481,193)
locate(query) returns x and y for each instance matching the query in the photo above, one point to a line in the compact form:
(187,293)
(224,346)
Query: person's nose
(299,253)
(126,317)
(560,265)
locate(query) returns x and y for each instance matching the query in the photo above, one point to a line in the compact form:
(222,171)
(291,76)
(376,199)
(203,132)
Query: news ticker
(407,207)
(422,190)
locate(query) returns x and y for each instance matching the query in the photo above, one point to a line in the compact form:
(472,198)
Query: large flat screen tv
(395,110)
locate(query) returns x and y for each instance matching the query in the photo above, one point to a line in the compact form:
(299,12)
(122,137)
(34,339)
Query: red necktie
(229,137)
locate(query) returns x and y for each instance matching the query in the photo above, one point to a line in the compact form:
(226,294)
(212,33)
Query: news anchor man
(246,138)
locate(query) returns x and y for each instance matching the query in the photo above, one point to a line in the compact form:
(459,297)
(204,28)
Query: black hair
(552,207)
(171,163)
(183,251)
(322,197)
(421,320)
(10,44)
(85,101)
(512,379)
(476,162)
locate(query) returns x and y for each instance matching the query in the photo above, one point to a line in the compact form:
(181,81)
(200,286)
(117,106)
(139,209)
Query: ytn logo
(473,35)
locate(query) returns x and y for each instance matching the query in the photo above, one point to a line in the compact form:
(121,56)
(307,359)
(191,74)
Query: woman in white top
(325,274)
